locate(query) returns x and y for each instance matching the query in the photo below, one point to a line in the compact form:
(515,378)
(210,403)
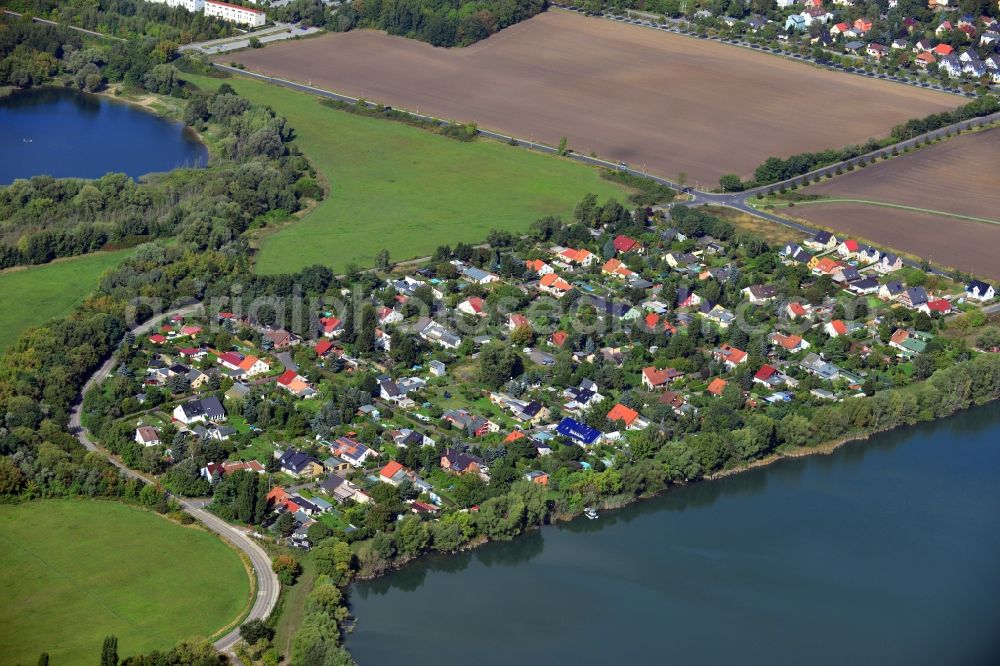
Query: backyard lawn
(54,290)
(405,189)
(75,571)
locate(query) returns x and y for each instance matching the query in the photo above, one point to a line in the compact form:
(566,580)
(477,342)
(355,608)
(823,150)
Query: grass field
(656,100)
(75,571)
(405,189)
(33,295)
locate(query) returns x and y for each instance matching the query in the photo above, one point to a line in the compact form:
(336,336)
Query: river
(885,552)
(66,133)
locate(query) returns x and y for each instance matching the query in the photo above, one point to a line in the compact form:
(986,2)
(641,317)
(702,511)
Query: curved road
(267,582)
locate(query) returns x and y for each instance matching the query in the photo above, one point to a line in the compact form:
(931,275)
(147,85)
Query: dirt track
(668,102)
(968,246)
(961,175)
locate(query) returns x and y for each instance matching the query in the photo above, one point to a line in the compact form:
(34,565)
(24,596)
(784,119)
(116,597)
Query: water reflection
(66,133)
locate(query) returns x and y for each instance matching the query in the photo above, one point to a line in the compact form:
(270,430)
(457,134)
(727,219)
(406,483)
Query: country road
(267,582)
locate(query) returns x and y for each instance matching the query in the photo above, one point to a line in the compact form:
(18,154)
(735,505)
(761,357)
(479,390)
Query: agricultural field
(958,176)
(949,198)
(955,243)
(406,189)
(54,290)
(665,102)
(75,571)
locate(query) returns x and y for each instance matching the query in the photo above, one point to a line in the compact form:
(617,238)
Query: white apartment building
(223,10)
(234,13)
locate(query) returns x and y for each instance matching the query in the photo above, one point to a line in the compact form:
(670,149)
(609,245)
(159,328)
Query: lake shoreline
(819,545)
(823,449)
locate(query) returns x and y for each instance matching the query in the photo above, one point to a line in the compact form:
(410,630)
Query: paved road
(275,33)
(267,582)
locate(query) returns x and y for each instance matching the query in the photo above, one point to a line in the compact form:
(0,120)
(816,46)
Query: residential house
(653,378)
(200,411)
(280,338)
(516,320)
(353,452)
(582,258)
(913,297)
(299,464)
(147,436)
(343,490)
(822,241)
(888,263)
(474,305)
(336,465)
(475,275)
(462,463)
(791,343)
(470,423)
(761,293)
(729,356)
(722,317)
(676,402)
(836,328)
(581,398)
(815,365)
(331,327)
(538,266)
(437,368)
(680,260)
(435,333)
(625,244)
(615,268)
(716,386)
(794,310)
(627,416)
(554,285)
(891,290)
(579,433)
(296,384)
(980,291)
(939,306)
(864,286)
(537,476)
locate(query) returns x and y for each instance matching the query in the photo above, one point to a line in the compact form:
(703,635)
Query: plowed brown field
(960,175)
(650,98)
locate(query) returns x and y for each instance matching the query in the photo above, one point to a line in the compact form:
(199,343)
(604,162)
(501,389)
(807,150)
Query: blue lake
(65,133)
(885,552)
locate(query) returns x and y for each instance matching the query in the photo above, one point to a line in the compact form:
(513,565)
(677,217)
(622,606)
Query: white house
(980,291)
(147,436)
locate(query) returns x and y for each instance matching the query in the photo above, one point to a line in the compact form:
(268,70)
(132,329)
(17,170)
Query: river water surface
(66,133)
(885,552)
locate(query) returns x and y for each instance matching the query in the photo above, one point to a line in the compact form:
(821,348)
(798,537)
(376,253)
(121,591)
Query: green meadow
(32,295)
(75,571)
(406,189)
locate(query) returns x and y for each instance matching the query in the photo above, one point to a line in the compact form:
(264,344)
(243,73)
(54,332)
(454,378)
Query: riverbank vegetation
(253,173)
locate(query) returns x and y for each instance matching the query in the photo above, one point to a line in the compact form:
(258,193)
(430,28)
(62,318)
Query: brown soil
(960,175)
(666,102)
